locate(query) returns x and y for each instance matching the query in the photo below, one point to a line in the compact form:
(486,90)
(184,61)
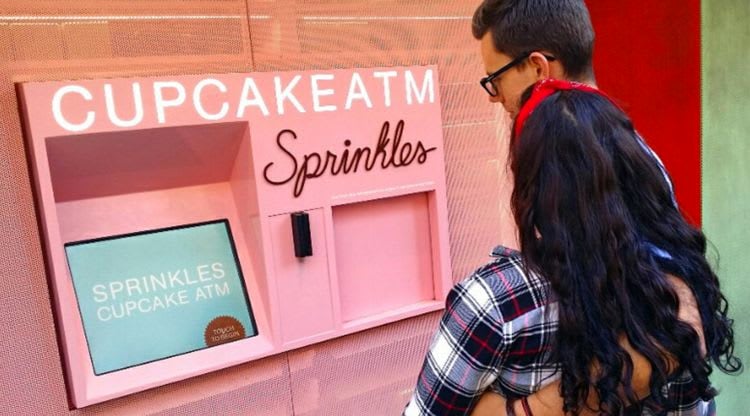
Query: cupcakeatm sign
(333,96)
(74,106)
(196,222)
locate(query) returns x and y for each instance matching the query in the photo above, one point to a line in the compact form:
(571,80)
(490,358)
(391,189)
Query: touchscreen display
(159,293)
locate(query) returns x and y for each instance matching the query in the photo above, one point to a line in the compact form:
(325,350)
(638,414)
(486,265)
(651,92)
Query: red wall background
(647,55)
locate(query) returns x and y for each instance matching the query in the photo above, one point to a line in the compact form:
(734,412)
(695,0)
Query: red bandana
(544,89)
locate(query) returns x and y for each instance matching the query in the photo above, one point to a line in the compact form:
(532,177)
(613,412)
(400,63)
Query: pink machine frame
(116,156)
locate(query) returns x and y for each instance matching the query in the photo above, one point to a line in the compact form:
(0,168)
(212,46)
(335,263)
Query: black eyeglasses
(487,82)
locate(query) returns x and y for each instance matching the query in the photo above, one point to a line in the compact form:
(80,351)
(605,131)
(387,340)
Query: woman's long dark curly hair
(591,204)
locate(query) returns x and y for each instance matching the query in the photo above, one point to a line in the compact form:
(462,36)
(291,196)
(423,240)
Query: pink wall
(366,373)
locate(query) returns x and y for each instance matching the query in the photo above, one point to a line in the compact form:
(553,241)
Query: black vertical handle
(301,234)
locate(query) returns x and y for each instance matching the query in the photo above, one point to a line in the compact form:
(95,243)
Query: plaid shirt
(497,333)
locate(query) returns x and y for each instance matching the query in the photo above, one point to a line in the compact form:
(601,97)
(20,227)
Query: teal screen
(157,294)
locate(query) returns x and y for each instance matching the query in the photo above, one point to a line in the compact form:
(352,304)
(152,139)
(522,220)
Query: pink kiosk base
(360,151)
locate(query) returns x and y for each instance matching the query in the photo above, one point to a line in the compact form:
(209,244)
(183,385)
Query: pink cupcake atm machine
(192,223)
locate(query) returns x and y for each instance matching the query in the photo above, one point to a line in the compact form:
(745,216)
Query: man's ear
(540,65)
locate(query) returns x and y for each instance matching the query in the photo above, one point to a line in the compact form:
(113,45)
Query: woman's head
(563,161)
(590,204)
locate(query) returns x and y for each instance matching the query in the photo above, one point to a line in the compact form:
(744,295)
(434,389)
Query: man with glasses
(491,81)
(521,42)
(525,41)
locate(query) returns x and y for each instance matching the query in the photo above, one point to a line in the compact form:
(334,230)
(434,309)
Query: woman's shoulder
(688,310)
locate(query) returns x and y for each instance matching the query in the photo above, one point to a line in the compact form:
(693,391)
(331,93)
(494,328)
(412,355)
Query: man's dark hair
(560,27)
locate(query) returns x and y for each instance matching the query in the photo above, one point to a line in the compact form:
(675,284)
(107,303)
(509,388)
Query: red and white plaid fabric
(496,333)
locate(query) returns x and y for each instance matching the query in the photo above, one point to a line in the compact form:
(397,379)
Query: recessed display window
(160,293)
